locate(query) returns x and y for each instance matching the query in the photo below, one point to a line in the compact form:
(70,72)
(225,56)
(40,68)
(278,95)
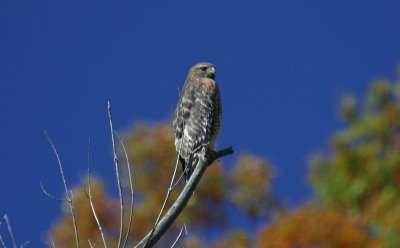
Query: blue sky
(282,67)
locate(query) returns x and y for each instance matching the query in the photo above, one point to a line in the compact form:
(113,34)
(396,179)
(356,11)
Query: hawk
(197,116)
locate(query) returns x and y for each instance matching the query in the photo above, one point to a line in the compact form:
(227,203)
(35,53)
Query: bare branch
(121,197)
(131,190)
(24,244)
(90,244)
(180,203)
(52,240)
(7,220)
(67,192)
(2,242)
(180,235)
(89,195)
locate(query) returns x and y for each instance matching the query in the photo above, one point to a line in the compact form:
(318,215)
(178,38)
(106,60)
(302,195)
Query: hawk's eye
(204,68)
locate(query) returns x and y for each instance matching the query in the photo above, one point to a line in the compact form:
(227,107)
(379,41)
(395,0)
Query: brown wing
(197,118)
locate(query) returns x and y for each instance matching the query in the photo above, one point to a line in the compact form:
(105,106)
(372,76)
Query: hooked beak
(211,71)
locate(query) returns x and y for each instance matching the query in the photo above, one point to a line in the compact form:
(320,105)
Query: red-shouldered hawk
(197,116)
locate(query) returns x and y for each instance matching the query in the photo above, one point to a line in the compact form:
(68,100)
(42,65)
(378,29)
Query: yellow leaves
(362,172)
(252,172)
(251,179)
(213,184)
(348,110)
(379,94)
(234,240)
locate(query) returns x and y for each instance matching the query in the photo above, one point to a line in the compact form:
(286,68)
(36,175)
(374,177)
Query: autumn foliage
(152,156)
(361,173)
(356,183)
(315,226)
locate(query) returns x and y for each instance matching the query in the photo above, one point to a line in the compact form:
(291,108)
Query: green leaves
(361,171)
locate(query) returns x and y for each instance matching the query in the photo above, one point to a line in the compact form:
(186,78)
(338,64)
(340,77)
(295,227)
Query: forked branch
(68,193)
(10,232)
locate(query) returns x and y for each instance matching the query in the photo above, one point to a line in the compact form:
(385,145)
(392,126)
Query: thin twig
(67,192)
(181,176)
(165,200)
(24,244)
(52,240)
(7,220)
(50,195)
(151,238)
(2,242)
(180,235)
(121,197)
(177,87)
(90,244)
(131,189)
(91,202)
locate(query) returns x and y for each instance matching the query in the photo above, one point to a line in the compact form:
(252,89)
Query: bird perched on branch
(197,116)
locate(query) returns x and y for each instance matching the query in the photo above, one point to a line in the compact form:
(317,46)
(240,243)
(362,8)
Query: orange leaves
(107,211)
(152,155)
(312,226)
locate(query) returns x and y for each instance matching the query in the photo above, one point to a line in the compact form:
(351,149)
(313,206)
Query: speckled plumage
(197,116)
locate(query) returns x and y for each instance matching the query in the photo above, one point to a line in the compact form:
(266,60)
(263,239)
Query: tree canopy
(356,181)
(242,188)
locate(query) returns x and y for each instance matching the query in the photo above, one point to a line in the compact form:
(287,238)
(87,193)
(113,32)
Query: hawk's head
(203,69)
